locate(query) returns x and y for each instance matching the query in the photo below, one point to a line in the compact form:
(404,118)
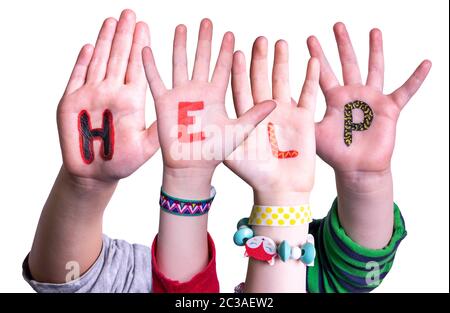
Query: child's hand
(192,116)
(103,138)
(193,127)
(370,149)
(360,150)
(108,83)
(284,143)
(278,158)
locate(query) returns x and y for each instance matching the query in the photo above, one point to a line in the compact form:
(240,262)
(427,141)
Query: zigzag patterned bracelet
(184,207)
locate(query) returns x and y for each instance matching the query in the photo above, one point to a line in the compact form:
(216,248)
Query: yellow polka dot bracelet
(274,215)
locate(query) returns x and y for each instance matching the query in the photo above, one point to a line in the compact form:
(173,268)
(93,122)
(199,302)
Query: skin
(271,178)
(363,170)
(190,178)
(109,76)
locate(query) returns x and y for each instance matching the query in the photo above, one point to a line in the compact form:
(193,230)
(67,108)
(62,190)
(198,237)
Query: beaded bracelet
(184,207)
(263,248)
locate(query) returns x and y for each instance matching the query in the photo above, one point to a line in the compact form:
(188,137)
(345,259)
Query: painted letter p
(349,126)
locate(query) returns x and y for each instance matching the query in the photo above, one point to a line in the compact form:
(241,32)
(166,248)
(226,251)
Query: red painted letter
(274,145)
(184,120)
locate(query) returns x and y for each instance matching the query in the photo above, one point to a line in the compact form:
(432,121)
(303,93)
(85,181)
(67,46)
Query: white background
(39,44)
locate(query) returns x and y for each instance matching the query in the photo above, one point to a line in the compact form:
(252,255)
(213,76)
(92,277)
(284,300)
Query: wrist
(365,206)
(85,185)
(293,234)
(364,182)
(78,200)
(281,198)
(187,183)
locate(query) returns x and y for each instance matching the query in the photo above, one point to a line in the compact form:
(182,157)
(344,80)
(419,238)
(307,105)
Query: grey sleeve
(121,267)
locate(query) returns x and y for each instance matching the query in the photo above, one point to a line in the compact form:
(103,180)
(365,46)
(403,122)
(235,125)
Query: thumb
(250,119)
(151,142)
(256,114)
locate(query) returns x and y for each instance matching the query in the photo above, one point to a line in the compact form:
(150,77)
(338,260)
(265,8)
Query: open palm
(371,149)
(197,101)
(109,77)
(284,142)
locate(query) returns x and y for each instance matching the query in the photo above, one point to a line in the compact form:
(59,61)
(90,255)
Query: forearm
(287,276)
(365,206)
(184,237)
(70,227)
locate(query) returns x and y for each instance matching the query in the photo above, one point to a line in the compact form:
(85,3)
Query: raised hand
(370,149)
(195,135)
(278,158)
(101,121)
(357,136)
(103,138)
(192,120)
(284,143)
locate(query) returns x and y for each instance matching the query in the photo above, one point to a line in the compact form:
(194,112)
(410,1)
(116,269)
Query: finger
(203,54)
(250,119)
(375,76)
(121,47)
(179,57)
(257,113)
(402,95)
(242,94)
(221,74)
(308,96)
(350,68)
(259,77)
(135,70)
(157,87)
(97,68)
(151,141)
(79,72)
(328,79)
(280,73)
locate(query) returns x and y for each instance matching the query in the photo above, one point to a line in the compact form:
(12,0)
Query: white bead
(296,253)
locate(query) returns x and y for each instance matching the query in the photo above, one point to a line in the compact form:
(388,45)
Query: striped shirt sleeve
(342,265)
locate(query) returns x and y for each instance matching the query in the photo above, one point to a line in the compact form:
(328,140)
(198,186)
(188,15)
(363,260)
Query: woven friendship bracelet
(280,215)
(185,207)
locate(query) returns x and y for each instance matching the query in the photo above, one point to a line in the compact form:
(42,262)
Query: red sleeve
(204,282)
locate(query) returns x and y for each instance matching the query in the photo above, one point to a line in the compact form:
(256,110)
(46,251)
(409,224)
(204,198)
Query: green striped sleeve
(342,265)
